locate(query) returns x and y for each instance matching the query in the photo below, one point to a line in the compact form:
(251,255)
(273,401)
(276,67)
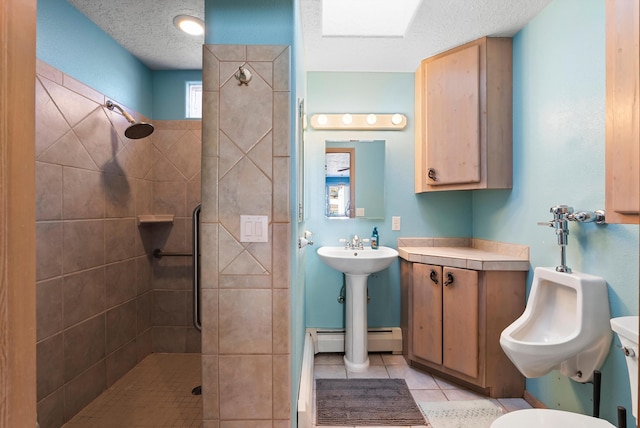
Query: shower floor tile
(155,393)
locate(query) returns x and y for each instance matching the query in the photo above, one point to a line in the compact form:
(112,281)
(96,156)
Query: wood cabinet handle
(434,276)
(449,279)
(432,174)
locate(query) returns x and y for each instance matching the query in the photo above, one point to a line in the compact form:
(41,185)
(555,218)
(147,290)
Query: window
(194,100)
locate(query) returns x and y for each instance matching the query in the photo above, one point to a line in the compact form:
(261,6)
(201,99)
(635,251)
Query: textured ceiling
(145,28)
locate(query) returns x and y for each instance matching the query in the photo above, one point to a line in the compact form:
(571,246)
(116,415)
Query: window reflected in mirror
(350,162)
(340,186)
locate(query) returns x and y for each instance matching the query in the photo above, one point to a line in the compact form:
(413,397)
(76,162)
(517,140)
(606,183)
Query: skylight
(367,18)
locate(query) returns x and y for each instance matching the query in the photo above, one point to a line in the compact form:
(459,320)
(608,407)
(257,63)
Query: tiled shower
(103,302)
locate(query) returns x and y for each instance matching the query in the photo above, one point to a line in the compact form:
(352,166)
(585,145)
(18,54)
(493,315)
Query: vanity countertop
(465,253)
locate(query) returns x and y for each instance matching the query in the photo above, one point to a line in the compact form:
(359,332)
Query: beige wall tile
(209,213)
(210,110)
(119,195)
(50,124)
(170,197)
(83,389)
(209,319)
(245,281)
(169,308)
(48,191)
(163,138)
(281,387)
(281,255)
(281,190)
(281,71)
(281,322)
(185,154)
(281,124)
(208,255)
(210,72)
(82,89)
(247,384)
(48,308)
(49,365)
(172,237)
(97,136)
(248,112)
(120,362)
(172,273)
(47,71)
(83,295)
(264,52)
(262,70)
(210,393)
(69,151)
(144,312)
(84,345)
(245,321)
(120,282)
(51,409)
(83,245)
(119,239)
(83,194)
(144,345)
(169,339)
(143,274)
(49,237)
(194,190)
(121,325)
(73,106)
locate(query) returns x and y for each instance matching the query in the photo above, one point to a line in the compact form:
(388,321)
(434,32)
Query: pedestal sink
(356,264)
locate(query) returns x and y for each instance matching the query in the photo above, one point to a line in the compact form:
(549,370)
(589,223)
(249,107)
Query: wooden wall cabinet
(623,111)
(452,320)
(463,116)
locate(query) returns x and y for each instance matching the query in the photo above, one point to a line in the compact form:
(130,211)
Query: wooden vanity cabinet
(623,111)
(453,319)
(463,110)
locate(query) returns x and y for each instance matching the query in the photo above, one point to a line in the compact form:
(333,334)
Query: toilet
(565,326)
(627,330)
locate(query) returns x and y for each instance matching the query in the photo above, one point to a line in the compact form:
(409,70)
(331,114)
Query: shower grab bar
(158,254)
(196,268)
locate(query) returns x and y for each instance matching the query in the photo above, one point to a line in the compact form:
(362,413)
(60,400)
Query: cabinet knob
(432,174)
(434,276)
(449,279)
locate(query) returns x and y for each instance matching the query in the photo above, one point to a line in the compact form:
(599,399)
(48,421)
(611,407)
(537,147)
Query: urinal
(565,326)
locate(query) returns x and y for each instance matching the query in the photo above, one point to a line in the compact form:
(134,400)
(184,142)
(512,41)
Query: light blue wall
(249,22)
(69,41)
(170,92)
(441,214)
(559,146)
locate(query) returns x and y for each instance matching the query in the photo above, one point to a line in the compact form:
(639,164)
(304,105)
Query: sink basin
(357,262)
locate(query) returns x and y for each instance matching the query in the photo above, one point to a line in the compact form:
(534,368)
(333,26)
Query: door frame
(17,213)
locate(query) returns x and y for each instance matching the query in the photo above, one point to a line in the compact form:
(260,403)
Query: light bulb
(396,119)
(347,119)
(189,24)
(372,119)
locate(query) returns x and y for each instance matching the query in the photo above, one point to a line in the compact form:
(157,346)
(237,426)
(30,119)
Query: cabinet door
(460,320)
(623,112)
(452,87)
(427,312)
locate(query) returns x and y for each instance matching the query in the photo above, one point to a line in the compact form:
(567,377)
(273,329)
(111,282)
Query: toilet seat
(548,418)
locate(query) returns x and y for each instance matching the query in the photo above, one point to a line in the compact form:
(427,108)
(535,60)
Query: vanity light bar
(359,121)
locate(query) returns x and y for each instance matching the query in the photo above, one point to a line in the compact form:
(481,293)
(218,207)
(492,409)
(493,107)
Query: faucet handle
(346,242)
(546,223)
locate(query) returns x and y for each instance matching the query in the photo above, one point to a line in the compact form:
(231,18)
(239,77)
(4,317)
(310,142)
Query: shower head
(137,129)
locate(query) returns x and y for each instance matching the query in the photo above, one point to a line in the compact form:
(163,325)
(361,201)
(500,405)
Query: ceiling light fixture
(189,24)
(367,121)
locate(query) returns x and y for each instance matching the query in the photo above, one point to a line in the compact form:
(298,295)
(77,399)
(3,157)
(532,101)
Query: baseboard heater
(378,340)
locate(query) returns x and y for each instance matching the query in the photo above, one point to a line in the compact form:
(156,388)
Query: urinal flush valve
(562,215)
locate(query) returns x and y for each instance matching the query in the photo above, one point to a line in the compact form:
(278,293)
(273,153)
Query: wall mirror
(354,179)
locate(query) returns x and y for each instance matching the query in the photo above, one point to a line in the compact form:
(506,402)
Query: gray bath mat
(461,414)
(368,402)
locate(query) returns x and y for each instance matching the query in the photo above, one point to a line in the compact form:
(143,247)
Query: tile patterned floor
(155,393)
(423,386)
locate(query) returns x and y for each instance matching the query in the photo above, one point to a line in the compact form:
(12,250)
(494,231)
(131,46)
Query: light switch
(254,228)
(359,212)
(395,223)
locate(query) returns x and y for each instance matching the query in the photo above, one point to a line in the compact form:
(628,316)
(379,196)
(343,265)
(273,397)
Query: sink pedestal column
(356,358)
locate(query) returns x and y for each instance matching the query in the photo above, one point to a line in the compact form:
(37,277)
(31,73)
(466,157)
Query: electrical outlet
(395,223)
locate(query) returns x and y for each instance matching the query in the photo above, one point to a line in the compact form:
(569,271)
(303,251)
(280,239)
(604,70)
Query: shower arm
(110,105)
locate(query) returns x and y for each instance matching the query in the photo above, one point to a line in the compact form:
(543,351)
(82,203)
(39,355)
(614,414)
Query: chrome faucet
(356,243)
(562,214)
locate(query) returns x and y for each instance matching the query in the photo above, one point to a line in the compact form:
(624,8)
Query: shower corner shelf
(155,218)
